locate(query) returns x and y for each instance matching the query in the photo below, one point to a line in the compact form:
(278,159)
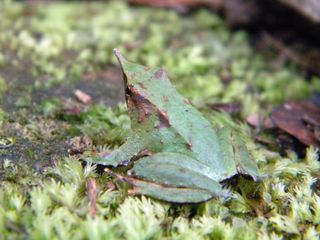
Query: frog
(177,155)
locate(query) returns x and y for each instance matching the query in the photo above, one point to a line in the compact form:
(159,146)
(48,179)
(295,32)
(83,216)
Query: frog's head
(137,99)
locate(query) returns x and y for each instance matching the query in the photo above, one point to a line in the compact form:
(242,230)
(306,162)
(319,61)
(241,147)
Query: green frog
(177,156)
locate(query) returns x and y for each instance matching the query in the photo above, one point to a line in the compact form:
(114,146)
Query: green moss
(103,125)
(45,48)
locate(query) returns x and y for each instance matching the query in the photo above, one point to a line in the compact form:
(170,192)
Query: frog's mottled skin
(180,157)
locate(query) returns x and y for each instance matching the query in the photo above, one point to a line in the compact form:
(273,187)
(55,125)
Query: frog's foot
(173,177)
(133,148)
(117,158)
(107,159)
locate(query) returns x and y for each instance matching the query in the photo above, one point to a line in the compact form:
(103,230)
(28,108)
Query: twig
(92,196)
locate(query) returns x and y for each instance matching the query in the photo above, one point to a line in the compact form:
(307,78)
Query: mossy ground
(48,51)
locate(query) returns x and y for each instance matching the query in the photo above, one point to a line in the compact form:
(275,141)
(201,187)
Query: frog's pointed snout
(118,55)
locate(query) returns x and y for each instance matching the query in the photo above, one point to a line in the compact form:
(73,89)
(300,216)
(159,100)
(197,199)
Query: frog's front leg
(174,177)
(123,155)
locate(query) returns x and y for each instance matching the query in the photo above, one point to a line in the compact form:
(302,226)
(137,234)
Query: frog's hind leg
(173,177)
(166,193)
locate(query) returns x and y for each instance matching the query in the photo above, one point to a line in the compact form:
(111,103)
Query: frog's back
(201,140)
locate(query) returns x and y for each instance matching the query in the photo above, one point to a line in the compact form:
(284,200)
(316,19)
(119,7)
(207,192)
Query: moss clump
(47,51)
(54,204)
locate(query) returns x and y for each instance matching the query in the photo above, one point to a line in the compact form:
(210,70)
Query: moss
(47,52)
